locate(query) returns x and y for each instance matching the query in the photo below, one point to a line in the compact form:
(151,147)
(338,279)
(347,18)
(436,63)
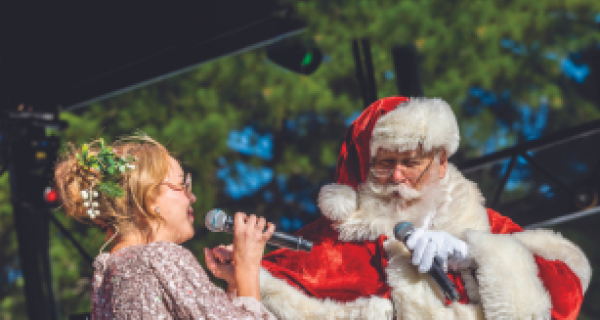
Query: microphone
(217,220)
(403,230)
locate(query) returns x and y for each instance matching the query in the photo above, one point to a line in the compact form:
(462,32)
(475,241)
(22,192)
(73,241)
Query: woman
(137,189)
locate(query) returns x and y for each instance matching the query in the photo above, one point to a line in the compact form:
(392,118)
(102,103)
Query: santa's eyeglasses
(410,169)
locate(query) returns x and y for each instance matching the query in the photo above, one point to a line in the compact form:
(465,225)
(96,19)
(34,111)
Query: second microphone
(217,220)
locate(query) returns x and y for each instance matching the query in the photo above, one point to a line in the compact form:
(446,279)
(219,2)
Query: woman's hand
(249,244)
(219,261)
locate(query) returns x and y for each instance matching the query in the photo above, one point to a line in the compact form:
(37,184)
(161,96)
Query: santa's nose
(398,175)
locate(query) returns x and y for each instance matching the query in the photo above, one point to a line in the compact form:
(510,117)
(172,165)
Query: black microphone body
(403,230)
(217,220)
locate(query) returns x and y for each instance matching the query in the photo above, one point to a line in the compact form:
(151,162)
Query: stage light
(586,197)
(308,58)
(51,196)
(296,56)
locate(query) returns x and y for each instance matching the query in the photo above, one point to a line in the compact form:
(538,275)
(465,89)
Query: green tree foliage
(11,286)
(459,43)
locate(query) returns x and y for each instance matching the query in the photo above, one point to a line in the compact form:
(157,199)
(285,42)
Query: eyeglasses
(185,186)
(384,170)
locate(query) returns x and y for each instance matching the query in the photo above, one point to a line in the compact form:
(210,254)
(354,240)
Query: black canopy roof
(57,56)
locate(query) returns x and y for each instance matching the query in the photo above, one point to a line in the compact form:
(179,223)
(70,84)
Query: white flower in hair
(91,213)
(84,194)
(131,166)
(86,204)
(94,194)
(95,204)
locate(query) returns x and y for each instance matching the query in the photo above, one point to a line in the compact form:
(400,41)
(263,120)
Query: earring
(157,209)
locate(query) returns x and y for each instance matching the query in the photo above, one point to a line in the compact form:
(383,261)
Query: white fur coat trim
(286,302)
(509,286)
(552,246)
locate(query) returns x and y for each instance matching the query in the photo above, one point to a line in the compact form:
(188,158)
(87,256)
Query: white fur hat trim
(426,122)
(337,201)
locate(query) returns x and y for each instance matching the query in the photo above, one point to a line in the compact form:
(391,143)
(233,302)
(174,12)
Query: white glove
(427,245)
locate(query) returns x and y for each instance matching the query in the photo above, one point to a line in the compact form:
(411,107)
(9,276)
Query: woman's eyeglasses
(185,186)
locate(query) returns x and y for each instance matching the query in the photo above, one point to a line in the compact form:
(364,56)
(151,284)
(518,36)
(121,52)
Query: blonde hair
(141,185)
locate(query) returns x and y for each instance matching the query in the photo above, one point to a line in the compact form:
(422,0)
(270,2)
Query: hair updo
(140,185)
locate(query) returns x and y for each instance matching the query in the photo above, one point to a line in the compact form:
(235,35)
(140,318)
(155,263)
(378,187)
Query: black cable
(67,234)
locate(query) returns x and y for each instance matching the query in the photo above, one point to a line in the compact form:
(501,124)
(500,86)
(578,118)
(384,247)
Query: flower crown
(109,168)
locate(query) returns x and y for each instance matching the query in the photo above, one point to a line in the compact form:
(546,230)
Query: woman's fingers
(239,220)
(267,234)
(249,244)
(252,227)
(222,254)
(220,270)
(251,222)
(260,224)
(211,264)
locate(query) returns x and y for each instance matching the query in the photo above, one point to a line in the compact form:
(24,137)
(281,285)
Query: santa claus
(394,167)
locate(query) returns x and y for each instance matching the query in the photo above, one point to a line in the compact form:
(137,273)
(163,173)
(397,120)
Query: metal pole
(32,228)
(500,190)
(370,75)
(565,218)
(360,75)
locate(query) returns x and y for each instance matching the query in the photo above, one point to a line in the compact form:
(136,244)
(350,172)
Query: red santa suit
(357,270)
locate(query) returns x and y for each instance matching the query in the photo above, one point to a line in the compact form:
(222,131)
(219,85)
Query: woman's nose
(192,197)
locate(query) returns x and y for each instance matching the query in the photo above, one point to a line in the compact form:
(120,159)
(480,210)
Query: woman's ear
(443,167)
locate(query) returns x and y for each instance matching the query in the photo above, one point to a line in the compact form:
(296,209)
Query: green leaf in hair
(110,189)
(111,167)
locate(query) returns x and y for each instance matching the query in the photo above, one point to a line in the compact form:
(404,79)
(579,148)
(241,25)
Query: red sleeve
(563,285)
(564,288)
(343,271)
(500,224)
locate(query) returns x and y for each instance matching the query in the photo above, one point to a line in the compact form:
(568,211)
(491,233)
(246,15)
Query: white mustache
(418,206)
(388,190)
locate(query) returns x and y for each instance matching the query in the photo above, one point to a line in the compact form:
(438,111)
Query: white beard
(418,207)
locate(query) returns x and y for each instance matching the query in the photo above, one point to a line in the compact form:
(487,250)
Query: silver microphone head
(215,220)
(402,230)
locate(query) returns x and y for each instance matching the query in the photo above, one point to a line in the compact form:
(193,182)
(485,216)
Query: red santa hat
(395,123)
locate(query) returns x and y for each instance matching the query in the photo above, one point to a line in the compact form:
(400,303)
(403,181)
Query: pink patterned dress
(162,280)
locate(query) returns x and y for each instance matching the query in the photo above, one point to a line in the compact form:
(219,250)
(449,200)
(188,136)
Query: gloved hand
(426,245)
